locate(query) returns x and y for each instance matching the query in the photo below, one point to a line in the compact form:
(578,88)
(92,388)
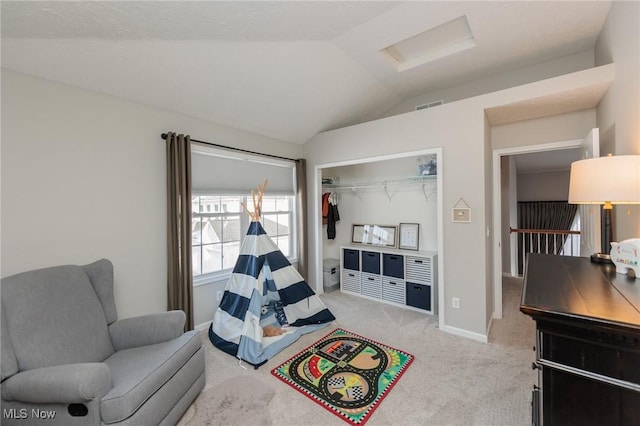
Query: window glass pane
(210,230)
(283,223)
(283,245)
(231,230)
(230,204)
(196,225)
(268,204)
(231,253)
(209,204)
(195,260)
(195,204)
(211,258)
(283,204)
(270,224)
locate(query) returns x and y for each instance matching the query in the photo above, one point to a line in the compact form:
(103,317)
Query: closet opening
(381,192)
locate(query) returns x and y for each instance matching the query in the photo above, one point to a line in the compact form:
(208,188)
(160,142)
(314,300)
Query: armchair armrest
(67,384)
(147,329)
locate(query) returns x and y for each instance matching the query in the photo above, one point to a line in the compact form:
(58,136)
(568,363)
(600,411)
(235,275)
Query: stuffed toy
(272,330)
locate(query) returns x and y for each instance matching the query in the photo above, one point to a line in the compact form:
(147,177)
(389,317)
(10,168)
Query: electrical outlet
(219,295)
(455,302)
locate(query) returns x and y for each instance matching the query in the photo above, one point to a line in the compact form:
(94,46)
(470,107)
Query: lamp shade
(614,179)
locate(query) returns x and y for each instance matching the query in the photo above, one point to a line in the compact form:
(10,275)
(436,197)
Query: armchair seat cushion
(137,373)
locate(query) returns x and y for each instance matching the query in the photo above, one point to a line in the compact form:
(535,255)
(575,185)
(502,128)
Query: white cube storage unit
(398,277)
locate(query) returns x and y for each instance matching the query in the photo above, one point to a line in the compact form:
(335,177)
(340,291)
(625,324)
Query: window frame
(245,220)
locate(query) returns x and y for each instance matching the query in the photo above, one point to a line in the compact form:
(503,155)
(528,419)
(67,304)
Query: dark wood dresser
(587,341)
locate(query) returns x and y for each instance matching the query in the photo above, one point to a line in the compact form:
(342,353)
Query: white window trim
(212,277)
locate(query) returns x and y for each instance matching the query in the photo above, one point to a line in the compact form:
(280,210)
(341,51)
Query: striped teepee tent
(264,289)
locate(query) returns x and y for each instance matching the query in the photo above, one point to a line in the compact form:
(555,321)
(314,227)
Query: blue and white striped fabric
(262,274)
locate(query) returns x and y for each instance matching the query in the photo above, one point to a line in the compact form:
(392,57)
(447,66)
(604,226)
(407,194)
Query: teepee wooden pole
(257,204)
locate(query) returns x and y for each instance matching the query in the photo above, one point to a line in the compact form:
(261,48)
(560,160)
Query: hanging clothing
(325,207)
(333,216)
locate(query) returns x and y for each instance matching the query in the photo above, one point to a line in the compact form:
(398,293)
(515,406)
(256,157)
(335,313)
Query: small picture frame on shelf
(375,235)
(409,234)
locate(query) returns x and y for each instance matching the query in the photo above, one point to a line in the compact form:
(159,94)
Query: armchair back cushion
(100,274)
(57,308)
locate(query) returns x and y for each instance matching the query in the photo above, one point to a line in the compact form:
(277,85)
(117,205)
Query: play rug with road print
(347,374)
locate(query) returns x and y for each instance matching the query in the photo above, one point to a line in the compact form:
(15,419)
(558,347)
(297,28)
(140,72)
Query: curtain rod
(246,151)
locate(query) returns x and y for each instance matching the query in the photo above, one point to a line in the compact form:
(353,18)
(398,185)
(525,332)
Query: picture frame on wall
(461,212)
(409,236)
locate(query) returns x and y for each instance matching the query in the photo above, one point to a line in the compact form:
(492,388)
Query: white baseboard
(464,333)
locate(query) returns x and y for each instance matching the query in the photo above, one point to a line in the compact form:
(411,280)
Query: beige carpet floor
(452,381)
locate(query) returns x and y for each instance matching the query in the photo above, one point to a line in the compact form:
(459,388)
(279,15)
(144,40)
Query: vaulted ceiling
(283,69)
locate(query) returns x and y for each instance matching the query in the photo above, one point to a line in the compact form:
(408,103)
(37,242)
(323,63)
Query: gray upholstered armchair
(66,357)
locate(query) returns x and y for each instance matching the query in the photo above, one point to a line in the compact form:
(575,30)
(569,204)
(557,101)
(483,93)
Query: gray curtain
(179,275)
(301,215)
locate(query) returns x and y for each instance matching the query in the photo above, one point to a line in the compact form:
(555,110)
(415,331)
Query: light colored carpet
(452,381)
(222,403)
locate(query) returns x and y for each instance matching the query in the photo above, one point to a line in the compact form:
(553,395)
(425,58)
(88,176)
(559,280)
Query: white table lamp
(607,181)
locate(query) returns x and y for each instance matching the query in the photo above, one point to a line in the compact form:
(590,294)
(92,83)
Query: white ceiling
(286,70)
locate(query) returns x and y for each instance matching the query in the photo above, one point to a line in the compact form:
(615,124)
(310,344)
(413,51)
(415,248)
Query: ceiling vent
(429,105)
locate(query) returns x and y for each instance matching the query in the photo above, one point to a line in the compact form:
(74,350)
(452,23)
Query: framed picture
(409,233)
(461,215)
(461,212)
(375,235)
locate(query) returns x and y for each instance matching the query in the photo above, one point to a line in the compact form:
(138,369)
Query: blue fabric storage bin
(418,296)
(351,259)
(393,265)
(371,262)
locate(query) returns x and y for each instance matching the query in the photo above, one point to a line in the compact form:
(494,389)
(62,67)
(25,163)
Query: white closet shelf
(384,185)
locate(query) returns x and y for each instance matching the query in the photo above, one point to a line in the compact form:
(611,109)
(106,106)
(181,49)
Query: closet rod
(246,151)
(382,183)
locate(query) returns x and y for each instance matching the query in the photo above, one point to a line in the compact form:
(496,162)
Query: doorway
(501,233)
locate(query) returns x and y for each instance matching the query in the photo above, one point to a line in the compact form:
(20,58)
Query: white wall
(549,186)
(564,65)
(619,111)
(83,177)
(556,128)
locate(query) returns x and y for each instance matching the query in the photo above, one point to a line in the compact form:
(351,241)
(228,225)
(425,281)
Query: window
(219,225)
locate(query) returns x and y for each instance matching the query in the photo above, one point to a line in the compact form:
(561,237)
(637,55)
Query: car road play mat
(345,373)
